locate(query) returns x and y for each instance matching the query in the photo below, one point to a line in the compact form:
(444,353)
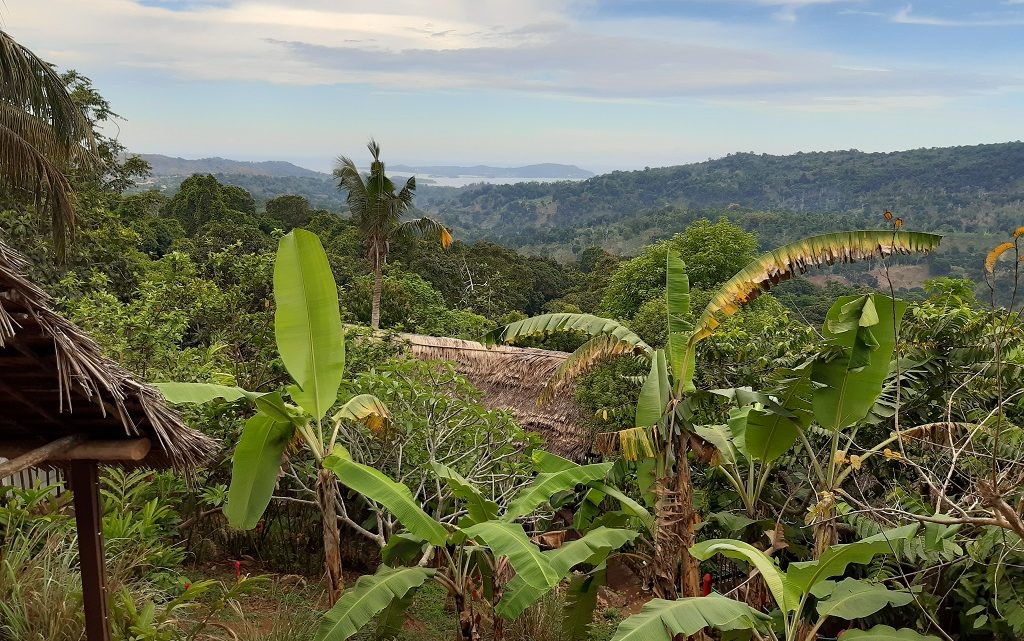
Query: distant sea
(462,181)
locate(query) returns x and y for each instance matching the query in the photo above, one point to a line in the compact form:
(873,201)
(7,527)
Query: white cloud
(530,46)
(906,15)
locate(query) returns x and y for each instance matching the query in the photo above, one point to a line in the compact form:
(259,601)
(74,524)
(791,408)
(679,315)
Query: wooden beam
(40,454)
(88,518)
(128,449)
(24,400)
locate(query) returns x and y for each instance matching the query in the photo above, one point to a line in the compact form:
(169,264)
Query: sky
(602,84)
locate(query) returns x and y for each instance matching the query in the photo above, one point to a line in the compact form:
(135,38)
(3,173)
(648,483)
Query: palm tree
(43,134)
(377,211)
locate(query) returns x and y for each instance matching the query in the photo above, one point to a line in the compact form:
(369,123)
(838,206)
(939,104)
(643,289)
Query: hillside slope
(955,189)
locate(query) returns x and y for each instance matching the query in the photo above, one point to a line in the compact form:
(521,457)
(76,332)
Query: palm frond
(426,226)
(407,192)
(31,84)
(795,258)
(598,349)
(551,323)
(42,131)
(24,168)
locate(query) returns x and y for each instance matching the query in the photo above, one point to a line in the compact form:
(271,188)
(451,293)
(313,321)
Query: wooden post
(88,517)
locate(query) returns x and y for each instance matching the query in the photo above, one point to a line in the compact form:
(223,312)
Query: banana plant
(760,429)
(662,429)
(805,589)
(311,344)
(836,391)
(472,556)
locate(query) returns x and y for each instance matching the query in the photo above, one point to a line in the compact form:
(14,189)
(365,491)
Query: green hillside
(966,190)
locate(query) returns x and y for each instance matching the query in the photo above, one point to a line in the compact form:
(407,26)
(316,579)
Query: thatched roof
(511,378)
(55,382)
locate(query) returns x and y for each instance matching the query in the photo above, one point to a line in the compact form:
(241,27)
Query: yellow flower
(855,461)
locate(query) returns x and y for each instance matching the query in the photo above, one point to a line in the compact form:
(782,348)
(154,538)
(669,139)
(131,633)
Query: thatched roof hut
(511,378)
(55,382)
(67,406)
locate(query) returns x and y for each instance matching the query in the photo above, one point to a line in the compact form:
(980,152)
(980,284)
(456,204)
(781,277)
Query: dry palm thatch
(513,378)
(55,382)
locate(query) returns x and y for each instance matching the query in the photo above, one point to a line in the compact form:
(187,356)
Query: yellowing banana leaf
(795,258)
(366,409)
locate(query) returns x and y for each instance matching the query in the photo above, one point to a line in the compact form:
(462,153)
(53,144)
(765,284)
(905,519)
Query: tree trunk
(378,279)
(327,494)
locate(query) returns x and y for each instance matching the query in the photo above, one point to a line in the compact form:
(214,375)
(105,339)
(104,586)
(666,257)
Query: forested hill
(955,189)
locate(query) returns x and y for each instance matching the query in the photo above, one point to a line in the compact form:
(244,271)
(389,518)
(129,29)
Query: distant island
(174,166)
(544,171)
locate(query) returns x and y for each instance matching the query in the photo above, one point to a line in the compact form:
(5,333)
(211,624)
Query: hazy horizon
(325,165)
(596,83)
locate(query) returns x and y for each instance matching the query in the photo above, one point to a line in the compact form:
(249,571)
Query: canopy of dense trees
(798,454)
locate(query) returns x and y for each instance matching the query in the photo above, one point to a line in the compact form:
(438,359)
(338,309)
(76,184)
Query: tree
(43,134)
(713,251)
(238,199)
(311,344)
(199,200)
(292,210)
(377,211)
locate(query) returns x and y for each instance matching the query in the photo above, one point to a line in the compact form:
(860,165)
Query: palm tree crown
(43,134)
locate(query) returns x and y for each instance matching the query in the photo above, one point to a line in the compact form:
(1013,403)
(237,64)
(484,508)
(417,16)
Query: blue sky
(599,83)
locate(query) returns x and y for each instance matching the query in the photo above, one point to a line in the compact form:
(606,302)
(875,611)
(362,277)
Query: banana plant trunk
(468,628)
(690,567)
(825,533)
(327,494)
(676,573)
(378,281)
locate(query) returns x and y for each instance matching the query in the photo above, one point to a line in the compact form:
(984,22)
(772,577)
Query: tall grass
(40,589)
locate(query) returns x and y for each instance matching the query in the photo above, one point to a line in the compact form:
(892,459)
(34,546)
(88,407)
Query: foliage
(39,575)
(713,252)
(479,545)
(793,589)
